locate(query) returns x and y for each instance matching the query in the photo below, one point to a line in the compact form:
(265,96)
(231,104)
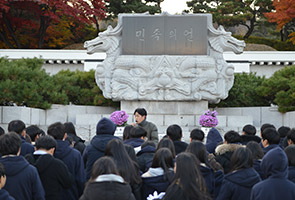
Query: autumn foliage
(284,14)
(26,23)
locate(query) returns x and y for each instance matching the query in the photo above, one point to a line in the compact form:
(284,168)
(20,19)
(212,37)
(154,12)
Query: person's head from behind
(70,128)
(241,159)
(283,131)
(188,175)
(249,130)
(291,136)
(18,127)
(163,158)
(256,150)
(166,142)
(290,152)
(232,137)
(265,126)
(105,126)
(138,132)
(57,131)
(34,132)
(270,136)
(103,165)
(197,134)
(46,143)
(174,132)
(199,150)
(148,143)
(2,176)
(126,132)
(140,115)
(10,144)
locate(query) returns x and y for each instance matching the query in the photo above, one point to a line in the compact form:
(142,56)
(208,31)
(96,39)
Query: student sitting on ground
(106,183)
(136,138)
(197,134)
(270,139)
(174,133)
(248,134)
(257,155)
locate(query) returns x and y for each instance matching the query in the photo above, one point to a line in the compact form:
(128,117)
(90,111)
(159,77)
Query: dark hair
(256,150)
(45,142)
(57,130)
(197,134)
(265,126)
(2,170)
(137,132)
(241,159)
(10,143)
(232,137)
(103,165)
(126,132)
(271,135)
(148,143)
(131,152)
(16,126)
(283,131)
(291,135)
(140,111)
(33,131)
(70,139)
(127,168)
(249,129)
(1,131)
(166,142)
(163,158)
(174,132)
(188,177)
(199,150)
(290,152)
(70,128)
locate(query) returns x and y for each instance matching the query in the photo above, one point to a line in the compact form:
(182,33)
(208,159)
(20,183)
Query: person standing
(140,115)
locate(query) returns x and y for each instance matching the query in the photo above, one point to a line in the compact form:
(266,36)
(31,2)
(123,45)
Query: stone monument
(169,64)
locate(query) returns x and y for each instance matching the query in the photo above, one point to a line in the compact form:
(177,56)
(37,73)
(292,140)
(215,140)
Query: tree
(115,7)
(232,12)
(284,16)
(33,18)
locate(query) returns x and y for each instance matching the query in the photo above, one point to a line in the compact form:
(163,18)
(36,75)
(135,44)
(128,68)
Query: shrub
(23,82)
(243,93)
(279,89)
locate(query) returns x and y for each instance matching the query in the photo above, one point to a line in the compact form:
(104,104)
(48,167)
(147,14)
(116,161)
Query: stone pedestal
(186,114)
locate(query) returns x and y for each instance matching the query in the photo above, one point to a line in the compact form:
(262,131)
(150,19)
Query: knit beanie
(105,126)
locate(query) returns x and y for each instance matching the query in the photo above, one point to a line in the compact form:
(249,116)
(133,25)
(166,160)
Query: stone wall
(86,117)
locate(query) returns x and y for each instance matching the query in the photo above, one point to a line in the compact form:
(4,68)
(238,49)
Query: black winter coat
(4,195)
(54,175)
(111,187)
(145,157)
(78,142)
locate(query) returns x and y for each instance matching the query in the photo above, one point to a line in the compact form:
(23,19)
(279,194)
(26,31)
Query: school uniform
(108,187)
(73,160)
(145,157)
(276,185)
(238,184)
(23,181)
(4,195)
(54,174)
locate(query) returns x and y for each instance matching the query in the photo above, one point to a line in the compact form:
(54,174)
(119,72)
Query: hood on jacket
(213,136)
(146,149)
(275,163)
(62,149)
(244,177)
(14,164)
(223,148)
(105,126)
(41,162)
(134,142)
(100,142)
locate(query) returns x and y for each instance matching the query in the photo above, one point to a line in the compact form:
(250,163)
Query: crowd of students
(58,165)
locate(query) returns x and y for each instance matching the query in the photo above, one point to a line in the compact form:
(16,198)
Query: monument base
(186,114)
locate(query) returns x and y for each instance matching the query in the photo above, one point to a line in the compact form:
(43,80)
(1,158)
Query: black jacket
(78,142)
(108,187)
(53,173)
(145,157)
(247,138)
(4,195)
(179,146)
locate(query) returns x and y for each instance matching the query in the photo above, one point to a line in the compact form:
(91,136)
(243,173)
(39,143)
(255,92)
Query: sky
(173,6)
